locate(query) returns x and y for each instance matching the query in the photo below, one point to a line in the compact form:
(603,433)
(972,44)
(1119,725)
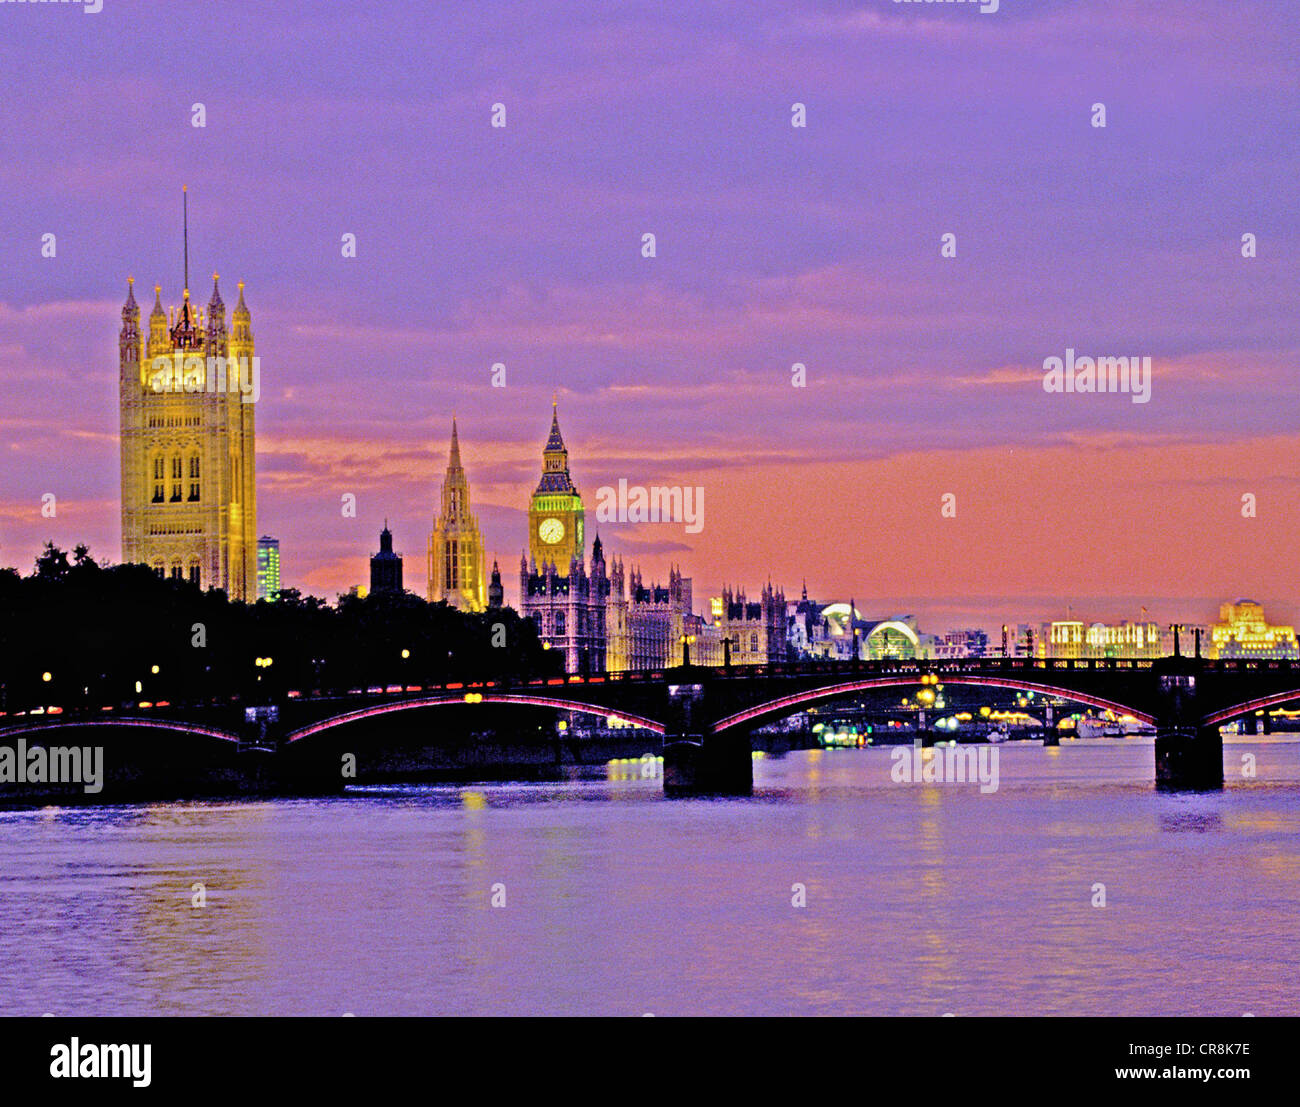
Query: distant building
(1072,639)
(496,594)
(896,638)
(1243,632)
(268,568)
(455,545)
(806,628)
(967,642)
(386,566)
(655,619)
(842,634)
(756,631)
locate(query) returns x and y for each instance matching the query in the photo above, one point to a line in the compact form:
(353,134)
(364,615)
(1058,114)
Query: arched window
(176,572)
(160,569)
(559,624)
(177,476)
(194,572)
(753,643)
(194,478)
(159,479)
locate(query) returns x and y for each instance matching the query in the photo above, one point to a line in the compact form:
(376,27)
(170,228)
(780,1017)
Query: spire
(555,459)
(130,304)
(556,441)
(453,461)
(185,217)
(216,303)
(241,308)
(158,312)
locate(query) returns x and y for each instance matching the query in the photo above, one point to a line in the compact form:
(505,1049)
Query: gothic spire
(453,461)
(555,442)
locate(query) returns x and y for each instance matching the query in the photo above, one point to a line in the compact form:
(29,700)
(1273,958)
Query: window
(159,489)
(194,479)
(176,572)
(159,569)
(451,565)
(194,574)
(753,643)
(176,485)
(559,623)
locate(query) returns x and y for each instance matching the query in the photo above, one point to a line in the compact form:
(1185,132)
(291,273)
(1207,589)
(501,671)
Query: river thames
(921,899)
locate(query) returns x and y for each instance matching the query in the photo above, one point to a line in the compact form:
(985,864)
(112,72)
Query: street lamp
(686,640)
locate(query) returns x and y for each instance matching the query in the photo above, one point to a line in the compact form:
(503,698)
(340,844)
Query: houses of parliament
(599,615)
(189,511)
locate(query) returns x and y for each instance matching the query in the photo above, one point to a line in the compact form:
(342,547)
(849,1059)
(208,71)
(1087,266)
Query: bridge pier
(1189,758)
(697,762)
(1189,755)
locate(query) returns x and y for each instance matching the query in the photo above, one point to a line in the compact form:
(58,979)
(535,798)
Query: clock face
(550,531)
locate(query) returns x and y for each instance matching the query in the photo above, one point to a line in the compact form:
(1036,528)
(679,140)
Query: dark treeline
(97,631)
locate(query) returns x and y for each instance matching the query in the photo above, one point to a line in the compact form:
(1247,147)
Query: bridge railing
(884,667)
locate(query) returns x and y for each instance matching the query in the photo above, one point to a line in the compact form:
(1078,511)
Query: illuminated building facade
(659,617)
(1243,632)
(455,544)
(188,458)
(807,628)
(268,568)
(970,642)
(894,638)
(756,631)
(1072,639)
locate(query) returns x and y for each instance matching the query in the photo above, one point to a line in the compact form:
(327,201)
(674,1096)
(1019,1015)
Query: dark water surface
(921,899)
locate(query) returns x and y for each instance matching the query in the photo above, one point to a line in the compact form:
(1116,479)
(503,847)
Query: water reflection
(917,898)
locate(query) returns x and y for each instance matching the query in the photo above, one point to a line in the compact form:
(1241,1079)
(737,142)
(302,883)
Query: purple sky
(775,245)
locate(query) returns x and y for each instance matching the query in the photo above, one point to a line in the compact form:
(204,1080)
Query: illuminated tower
(455,545)
(555,515)
(186,394)
(268,568)
(567,602)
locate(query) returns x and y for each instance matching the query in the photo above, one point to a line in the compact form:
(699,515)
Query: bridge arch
(487,696)
(785,705)
(1248,707)
(23,730)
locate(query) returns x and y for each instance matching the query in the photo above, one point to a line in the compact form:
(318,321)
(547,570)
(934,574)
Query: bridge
(705,715)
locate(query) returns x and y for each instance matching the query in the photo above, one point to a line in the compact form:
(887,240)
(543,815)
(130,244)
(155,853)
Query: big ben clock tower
(556,515)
